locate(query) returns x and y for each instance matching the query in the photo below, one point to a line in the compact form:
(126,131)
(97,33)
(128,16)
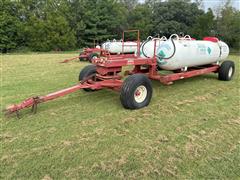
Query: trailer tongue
(34,101)
(88,54)
(70,59)
(85,84)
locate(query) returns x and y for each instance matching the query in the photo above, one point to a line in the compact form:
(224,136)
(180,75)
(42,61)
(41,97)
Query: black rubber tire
(224,73)
(128,90)
(177,71)
(80,58)
(85,72)
(92,55)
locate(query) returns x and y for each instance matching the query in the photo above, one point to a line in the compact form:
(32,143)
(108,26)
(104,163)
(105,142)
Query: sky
(213,4)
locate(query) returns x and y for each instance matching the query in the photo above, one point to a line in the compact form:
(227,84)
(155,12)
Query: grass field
(190,130)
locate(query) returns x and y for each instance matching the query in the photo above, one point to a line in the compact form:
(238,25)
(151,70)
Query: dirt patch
(47,177)
(67,143)
(192,149)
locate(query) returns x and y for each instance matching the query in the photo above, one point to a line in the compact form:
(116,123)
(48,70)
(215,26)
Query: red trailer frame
(87,52)
(108,69)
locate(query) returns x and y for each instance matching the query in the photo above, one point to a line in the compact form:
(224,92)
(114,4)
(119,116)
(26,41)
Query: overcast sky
(216,3)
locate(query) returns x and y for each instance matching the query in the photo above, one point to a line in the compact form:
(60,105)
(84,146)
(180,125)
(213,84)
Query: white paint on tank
(117,46)
(147,47)
(188,52)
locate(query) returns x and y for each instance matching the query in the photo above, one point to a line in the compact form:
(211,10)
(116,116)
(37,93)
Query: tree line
(46,25)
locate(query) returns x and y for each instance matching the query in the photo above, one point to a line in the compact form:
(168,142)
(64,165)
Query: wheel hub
(140,94)
(230,72)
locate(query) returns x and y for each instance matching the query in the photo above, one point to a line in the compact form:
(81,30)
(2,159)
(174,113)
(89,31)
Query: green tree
(53,33)
(46,27)
(204,26)
(10,26)
(174,16)
(228,26)
(129,4)
(140,18)
(104,19)
(75,17)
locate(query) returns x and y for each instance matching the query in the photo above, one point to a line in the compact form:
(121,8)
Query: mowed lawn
(191,129)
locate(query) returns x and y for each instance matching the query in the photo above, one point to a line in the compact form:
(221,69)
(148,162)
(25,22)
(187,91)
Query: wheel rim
(230,72)
(94,57)
(140,94)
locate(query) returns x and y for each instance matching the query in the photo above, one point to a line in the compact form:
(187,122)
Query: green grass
(191,129)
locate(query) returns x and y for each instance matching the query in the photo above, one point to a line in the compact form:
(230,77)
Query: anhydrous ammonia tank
(119,47)
(181,53)
(147,47)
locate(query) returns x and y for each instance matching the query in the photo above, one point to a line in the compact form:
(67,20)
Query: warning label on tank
(160,58)
(202,49)
(108,46)
(209,50)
